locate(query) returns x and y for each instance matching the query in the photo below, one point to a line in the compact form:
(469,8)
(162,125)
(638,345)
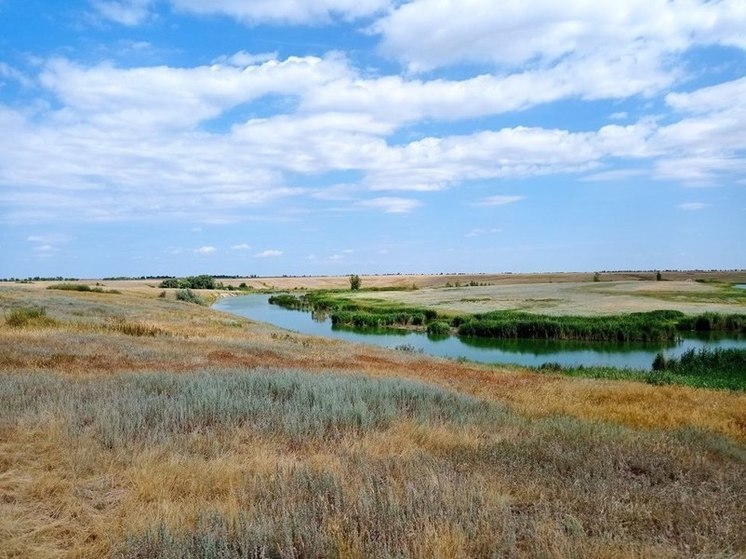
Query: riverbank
(350,310)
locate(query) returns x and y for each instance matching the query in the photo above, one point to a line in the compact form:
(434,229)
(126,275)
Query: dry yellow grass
(67,495)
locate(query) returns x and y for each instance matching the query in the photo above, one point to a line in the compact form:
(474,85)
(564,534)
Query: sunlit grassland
(287,464)
(198,434)
(572,298)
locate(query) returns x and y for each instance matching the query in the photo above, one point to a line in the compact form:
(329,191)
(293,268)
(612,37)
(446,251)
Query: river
(530,353)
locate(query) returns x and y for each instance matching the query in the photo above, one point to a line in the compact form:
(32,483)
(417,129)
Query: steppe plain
(134,425)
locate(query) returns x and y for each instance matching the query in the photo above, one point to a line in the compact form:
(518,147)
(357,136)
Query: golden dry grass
(67,495)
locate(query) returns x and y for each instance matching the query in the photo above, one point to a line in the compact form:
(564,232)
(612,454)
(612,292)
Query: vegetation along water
(608,359)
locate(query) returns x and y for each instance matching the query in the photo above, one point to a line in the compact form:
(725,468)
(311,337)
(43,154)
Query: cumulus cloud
(242,246)
(143,137)
(268,254)
(172,98)
(205,250)
(513,33)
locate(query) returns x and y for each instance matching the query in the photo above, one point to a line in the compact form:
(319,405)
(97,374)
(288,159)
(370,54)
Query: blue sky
(177,137)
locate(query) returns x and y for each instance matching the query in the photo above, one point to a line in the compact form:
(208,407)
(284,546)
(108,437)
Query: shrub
(169,283)
(286,301)
(438,328)
(28,316)
(355,282)
(710,368)
(191,282)
(189,296)
(659,363)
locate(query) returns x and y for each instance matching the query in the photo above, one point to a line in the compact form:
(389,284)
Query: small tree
(658,276)
(355,282)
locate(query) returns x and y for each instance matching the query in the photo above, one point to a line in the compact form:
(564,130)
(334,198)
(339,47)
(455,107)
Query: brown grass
(665,485)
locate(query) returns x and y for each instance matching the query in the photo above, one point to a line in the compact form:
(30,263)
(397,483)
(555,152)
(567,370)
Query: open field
(139,426)
(574,298)
(422,281)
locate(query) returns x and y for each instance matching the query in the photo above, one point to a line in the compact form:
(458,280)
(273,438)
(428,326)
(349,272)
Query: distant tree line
(38,278)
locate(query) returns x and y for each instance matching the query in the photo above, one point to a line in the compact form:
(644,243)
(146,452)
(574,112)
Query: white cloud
(718,97)
(615,175)
(391,205)
(166,97)
(242,58)
(205,250)
(268,254)
(8,72)
(499,200)
(513,33)
(242,246)
(125,12)
(126,144)
(284,11)
(692,206)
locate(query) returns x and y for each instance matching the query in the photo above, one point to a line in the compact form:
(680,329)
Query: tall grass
(362,314)
(644,327)
(28,316)
(382,468)
(154,407)
(708,368)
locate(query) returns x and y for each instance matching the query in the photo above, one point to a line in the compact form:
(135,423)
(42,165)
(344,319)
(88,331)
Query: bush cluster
(191,282)
(189,296)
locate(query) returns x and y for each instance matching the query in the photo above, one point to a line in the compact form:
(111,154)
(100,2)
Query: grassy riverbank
(643,327)
(706,368)
(135,426)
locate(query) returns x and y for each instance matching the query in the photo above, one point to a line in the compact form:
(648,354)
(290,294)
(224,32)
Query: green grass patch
(724,294)
(643,327)
(723,369)
(82,288)
(28,317)
(708,368)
